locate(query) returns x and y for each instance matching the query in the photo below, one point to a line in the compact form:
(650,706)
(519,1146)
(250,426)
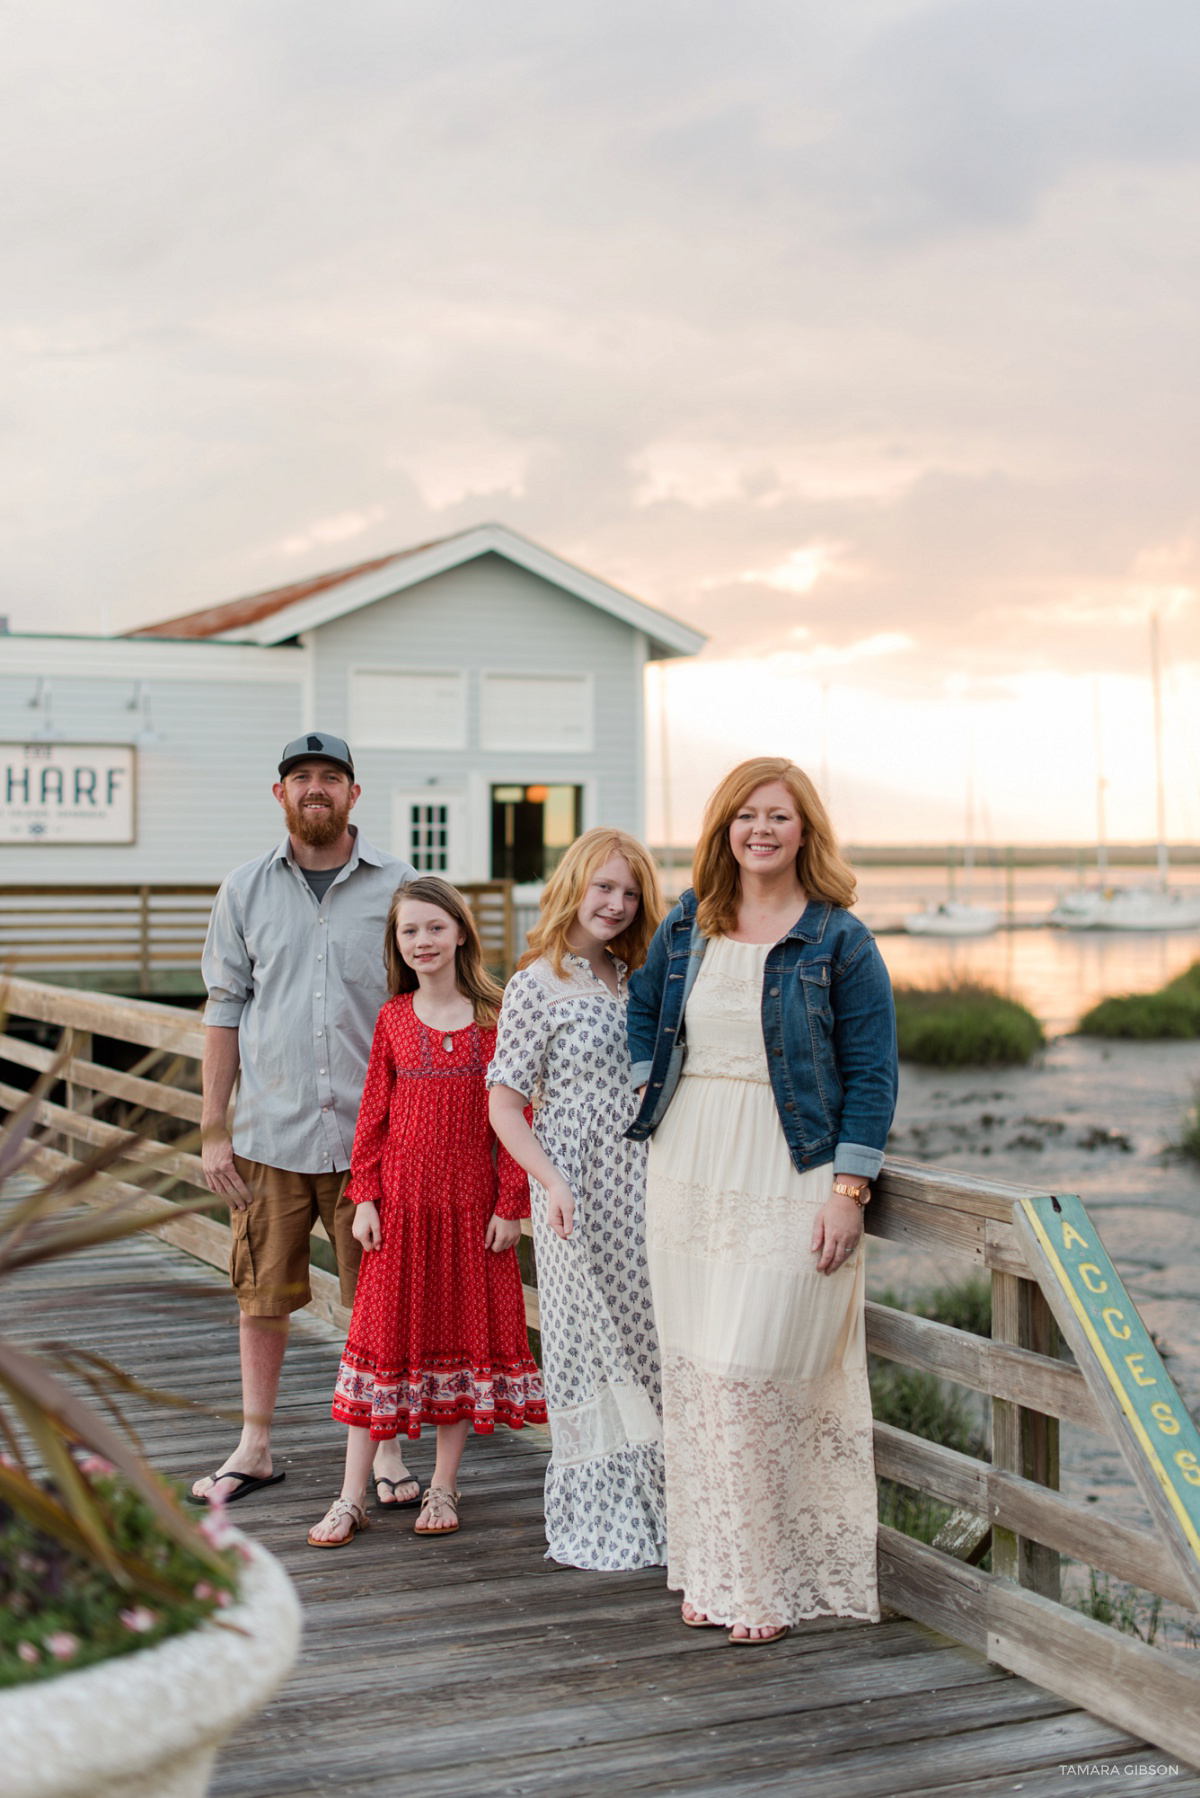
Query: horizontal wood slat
(1030,1510)
(150,1095)
(141,1021)
(78,1125)
(1053,1387)
(199,1236)
(148,926)
(1142,1689)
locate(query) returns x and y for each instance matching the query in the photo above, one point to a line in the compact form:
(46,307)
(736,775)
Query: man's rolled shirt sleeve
(225,965)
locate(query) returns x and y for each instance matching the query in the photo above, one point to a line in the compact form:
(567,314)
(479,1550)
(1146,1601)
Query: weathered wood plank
(141,1021)
(151,1095)
(949,1189)
(1143,1689)
(1029,1510)
(1016,1374)
(198,1236)
(80,1126)
(1006,1417)
(944,1594)
(898,1218)
(1134,1686)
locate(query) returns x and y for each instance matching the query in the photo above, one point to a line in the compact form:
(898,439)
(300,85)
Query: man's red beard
(315,826)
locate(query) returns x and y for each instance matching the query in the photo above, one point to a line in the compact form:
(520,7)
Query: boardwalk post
(1024,1441)
(144,940)
(77,1097)
(1040,1566)
(1006,1418)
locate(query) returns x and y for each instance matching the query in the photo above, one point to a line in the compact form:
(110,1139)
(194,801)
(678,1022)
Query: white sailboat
(1105,907)
(957,917)
(953,917)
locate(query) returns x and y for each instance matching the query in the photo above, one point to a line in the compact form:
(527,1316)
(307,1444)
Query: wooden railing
(146,932)
(1031,1245)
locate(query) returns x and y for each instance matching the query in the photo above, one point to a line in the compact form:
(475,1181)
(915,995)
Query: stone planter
(148,1725)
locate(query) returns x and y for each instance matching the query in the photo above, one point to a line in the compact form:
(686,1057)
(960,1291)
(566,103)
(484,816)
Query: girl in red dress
(438,1331)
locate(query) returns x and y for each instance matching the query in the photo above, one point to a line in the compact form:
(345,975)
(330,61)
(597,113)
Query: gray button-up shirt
(302,983)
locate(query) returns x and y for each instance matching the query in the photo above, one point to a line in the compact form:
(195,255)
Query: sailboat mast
(1101,783)
(969,844)
(1161,795)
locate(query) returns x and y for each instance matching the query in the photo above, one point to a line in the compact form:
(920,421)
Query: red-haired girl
(561,1045)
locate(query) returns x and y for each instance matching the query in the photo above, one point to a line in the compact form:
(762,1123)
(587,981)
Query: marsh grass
(963,1304)
(1170,1014)
(1133,1612)
(962,1025)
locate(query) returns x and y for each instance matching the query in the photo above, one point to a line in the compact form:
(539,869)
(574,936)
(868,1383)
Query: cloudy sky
(864,337)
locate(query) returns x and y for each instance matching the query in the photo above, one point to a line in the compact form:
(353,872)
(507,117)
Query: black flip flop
(396,1504)
(248,1483)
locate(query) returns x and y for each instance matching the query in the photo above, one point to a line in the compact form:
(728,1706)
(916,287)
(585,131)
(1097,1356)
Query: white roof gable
(668,637)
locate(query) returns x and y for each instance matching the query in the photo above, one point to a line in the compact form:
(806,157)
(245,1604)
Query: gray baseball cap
(317,746)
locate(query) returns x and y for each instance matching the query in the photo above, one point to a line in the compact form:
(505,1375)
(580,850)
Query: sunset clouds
(860,334)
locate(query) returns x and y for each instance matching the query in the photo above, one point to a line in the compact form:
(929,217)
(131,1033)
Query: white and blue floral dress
(561,1043)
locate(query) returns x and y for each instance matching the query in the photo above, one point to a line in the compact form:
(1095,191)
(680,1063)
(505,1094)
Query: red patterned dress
(438,1332)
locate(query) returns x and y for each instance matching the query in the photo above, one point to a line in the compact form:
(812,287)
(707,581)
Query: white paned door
(429,829)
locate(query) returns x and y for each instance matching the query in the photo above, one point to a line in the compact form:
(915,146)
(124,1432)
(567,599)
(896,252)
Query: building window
(536,711)
(429,838)
(532,827)
(408,708)
(429,830)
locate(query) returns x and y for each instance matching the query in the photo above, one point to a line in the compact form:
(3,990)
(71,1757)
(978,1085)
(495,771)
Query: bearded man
(294,969)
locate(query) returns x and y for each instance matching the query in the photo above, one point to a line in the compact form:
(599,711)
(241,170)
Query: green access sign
(1120,1362)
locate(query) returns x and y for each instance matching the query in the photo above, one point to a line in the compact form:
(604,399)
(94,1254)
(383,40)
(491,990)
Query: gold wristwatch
(860,1194)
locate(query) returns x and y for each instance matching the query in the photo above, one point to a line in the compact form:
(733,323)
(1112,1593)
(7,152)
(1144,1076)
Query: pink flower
(223,1598)
(139,1619)
(62,1645)
(28,1653)
(95,1464)
(216,1528)
(202,1590)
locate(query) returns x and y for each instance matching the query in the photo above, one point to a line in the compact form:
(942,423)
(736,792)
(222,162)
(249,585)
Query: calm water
(1057,973)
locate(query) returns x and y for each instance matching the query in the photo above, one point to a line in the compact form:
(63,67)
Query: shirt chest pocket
(360,957)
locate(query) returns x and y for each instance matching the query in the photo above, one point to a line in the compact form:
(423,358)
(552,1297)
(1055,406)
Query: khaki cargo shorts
(268,1262)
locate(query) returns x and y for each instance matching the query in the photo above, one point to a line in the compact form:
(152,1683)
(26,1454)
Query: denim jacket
(828,1022)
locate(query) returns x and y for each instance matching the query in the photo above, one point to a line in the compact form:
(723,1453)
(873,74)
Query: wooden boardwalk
(474,1666)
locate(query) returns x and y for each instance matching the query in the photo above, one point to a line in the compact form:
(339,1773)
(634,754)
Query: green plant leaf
(35,1389)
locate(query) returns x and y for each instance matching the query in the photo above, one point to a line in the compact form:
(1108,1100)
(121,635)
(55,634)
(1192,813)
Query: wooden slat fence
(149,930)
(1013,1614)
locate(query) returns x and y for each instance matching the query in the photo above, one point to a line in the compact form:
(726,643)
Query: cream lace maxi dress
(561,1042)
(771,1511)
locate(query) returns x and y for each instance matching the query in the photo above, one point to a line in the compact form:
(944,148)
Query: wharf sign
(67,792)
(1123,1369)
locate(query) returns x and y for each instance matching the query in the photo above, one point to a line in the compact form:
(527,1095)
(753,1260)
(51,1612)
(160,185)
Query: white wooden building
(492,694)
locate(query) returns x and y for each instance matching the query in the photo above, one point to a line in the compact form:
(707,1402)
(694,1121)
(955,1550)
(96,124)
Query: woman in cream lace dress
(766,1134)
